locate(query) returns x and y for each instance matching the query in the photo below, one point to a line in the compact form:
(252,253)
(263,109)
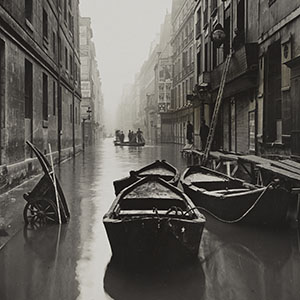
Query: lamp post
(89,111)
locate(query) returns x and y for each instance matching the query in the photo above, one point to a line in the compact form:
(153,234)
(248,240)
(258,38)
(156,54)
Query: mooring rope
(242,216)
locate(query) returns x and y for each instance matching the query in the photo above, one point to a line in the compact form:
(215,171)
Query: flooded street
(74,261)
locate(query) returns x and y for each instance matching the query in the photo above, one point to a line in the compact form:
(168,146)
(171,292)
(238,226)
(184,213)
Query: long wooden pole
(55,187)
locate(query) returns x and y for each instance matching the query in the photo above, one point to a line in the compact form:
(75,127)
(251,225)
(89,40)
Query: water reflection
(182,282)
(33,271)
(249,263)
(235,262)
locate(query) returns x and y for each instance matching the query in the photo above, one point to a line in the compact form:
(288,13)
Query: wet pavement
(73,261)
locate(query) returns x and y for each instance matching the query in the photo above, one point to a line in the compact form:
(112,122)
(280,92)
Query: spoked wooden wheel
(40,211)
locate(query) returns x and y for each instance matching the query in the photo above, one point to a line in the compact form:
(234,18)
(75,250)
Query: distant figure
(139,136)
(117,134)
(189,132)
(129,135)
(133,137)
(122,137)
(204,129)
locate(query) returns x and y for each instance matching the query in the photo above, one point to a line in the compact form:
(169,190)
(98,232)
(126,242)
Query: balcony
(242,73)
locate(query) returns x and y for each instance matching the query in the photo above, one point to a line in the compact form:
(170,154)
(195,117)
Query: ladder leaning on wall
(214,120)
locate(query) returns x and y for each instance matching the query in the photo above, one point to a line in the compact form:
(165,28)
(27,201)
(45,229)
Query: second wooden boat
(160,168)
(232,200)
(152,219)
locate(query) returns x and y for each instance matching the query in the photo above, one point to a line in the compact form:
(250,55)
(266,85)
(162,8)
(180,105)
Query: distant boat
(159,168)
(152,219)
(133,144)
(233,200)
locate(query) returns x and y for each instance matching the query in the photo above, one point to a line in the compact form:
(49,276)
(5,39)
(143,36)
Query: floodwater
(73,261)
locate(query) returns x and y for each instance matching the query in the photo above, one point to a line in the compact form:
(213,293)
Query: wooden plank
(280,173)
(229,157)
(254,159)
(197,152)
(291,163)
(286,167)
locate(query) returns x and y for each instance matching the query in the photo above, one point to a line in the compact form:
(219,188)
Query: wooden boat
(159,168)
(232,200)
(152,219)
(132,144)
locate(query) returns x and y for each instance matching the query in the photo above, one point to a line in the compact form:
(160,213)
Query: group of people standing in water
(133,137)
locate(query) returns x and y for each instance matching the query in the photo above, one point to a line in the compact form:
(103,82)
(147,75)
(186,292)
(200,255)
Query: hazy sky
(123,31)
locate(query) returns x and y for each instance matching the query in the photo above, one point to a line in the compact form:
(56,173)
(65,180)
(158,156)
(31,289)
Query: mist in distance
(122,32)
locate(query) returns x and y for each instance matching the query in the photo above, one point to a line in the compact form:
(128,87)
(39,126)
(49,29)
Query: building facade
(278,126)
(183,70)
(260,91)
(92,104)
(39,81)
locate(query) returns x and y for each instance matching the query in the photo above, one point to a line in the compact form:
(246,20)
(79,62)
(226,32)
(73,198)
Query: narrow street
(73,261)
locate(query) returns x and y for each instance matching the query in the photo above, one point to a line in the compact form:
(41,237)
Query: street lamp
(89,111)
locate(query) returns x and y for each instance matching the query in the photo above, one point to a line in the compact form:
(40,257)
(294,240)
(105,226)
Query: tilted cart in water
(46,203)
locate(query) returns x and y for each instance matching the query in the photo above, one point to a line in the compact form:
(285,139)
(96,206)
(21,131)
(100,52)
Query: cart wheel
(41,211)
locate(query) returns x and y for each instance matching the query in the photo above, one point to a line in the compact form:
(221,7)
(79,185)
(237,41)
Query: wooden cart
(46,203)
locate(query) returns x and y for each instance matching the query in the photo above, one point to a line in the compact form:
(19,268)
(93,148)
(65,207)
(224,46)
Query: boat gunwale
(189,203)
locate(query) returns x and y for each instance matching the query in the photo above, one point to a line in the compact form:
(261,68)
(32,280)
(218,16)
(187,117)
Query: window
(28,10)
(75,72)
(60,49)
(214,56)
(206,58)
(45,25)
(65,10)
(71,65)
(227,33)
(71,113)
(199,64)
(54,42)
(71,23)
(66,58)
(45,97)
(54,98)
(198,24)
(28,89)
(239,32)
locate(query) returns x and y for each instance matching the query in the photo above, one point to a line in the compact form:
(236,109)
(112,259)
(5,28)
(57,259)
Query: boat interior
(152,198)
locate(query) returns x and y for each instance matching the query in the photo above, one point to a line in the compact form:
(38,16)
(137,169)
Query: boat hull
(149,238)
(271,209)
(250,204)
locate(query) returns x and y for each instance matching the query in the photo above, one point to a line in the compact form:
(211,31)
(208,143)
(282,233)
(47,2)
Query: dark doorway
(272,104)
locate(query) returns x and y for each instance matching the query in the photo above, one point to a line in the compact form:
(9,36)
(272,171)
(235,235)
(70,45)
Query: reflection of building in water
(37,271)
(248,263)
